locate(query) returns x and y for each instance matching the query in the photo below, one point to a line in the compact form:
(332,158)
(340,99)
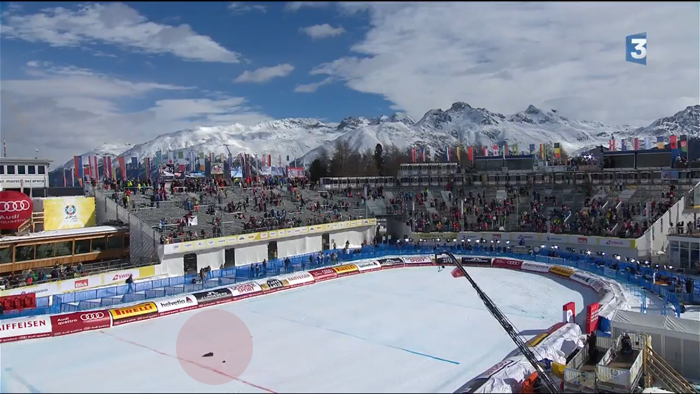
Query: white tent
(676,340)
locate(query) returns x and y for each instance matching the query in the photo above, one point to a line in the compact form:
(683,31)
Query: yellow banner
(536,340)
(343,269)
(563,271)
(133,311)
(69,212)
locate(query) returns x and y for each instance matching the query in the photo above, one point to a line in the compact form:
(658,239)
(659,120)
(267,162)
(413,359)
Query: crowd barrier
(196,297)
(153,289)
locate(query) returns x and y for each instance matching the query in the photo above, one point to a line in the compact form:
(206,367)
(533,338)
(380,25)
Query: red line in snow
(187,361)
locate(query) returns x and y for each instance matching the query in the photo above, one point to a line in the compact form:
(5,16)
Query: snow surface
(405,330)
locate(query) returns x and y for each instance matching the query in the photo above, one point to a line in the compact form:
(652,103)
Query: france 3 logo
(636,48)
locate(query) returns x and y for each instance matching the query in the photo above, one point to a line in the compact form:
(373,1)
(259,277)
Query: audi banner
(507,263)
(80,321)
(476,261)
(391,262)
(217,296)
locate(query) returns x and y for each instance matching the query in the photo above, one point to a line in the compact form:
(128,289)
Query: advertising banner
(133,313)
(299,279)
(69,212)
(618,243)
(324,274)
(273,285)
(569,312)
(80,321)
(417,261)
(563,271)
(476,261)
(213,296)
(171,305)
(26,328)
(245,290)
(592,317)
(346,269)
(367,266)
(582,278)
(15,209)
(391,262)
(507,263)
(534,267)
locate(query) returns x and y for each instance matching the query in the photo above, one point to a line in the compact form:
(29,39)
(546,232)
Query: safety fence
(634,281)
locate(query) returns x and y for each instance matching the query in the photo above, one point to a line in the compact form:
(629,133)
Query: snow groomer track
(411,330)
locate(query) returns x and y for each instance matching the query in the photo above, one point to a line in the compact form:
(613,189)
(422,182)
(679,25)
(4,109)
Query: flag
(78,163)
(72,178)
(122,167)
(447,154)
(660,143)
(515,150)
(413,155)
(470,153)
(180,155)
(506,152)
(485,151)
(458,154)
(159,158)
(684,143)
(280,164)
(532,149)
(636,143)
(674,142)
(647,143)
(557,150)
(624,144)
(422,153)
(65,184)
(147,162)
(543,152)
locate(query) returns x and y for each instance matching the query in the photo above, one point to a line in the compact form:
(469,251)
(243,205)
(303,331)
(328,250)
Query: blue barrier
(114,295)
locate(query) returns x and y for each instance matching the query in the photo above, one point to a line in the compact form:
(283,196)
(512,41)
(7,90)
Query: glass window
(21,170)
(685,262)
(98,244)
(24,253)
(63,248)
(126,241)
(115,242)
(5,255)
(2,170)
(44,251)
(694,255)
(42,170)
(82,246)
(10,170)
(31,170)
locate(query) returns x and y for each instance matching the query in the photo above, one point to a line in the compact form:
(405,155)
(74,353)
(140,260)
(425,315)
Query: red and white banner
(507,263)
(119,278)
(367,266)
(569,312)
(25,328)
(418,260)
(592,317)
(72,323)
(245,290)
(323,274)
(177,304)
(299,279)
(534,267)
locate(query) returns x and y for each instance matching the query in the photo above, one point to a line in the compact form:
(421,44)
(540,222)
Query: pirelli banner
(346,269)
(133,313)
(562,271)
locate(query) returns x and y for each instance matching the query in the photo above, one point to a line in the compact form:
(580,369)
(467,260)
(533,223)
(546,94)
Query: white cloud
(265,74)
(294,6)
(504,56)
(66,110)
(116,24)
(322,31)
(312,87)
(238,7)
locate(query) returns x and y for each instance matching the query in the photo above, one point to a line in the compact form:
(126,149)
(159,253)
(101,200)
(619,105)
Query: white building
(22,174)
(685,251)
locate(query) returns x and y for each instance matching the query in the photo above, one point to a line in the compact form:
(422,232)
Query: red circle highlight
(219,333)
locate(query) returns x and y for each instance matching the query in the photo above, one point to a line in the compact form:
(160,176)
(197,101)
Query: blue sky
(75,75)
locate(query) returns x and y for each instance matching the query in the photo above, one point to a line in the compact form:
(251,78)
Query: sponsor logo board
(345,269)
(245,290)
(175,304)
(323,274)
(507,263)
(475,260)
(213,296)
(581,278)
(391,262)
(274,284)
(368,266)
(80,321)
(582,240)
(535,267)
(135,312)
(557,238)
(563,271)
(299,279)
(25,328)
(420,260)
(622,243)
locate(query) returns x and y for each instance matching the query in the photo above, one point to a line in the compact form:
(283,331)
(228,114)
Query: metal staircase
(510,329)
(657,372)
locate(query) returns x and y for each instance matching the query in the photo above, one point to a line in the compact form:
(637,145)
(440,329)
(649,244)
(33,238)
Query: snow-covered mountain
(460,124)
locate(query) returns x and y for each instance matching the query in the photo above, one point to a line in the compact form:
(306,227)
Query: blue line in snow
(21,380)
